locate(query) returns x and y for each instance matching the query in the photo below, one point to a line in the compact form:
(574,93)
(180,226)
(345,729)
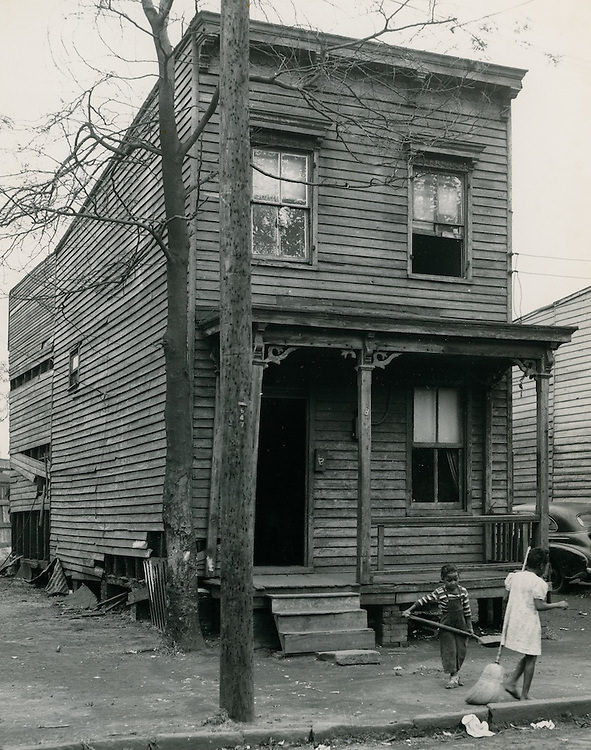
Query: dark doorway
(279,530)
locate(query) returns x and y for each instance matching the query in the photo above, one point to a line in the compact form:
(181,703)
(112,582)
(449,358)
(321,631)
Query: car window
(552,525)
(584,519)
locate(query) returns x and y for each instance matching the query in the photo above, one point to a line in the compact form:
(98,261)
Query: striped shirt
(442,597)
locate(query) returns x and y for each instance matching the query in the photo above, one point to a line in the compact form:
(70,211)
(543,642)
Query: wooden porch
(299,610)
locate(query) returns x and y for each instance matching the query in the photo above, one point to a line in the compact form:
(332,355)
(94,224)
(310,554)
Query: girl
(522,630)
(454,608)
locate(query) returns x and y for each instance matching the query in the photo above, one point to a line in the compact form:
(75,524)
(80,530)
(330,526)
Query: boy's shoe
(454,682)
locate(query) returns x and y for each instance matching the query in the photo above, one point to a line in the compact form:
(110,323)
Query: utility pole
(238,461)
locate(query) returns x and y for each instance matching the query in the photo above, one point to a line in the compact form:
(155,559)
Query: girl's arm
(541,605)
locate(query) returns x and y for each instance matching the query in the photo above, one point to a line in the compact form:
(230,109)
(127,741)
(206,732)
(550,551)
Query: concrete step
(295,622)
(331,640)
(351,656)
(327,602)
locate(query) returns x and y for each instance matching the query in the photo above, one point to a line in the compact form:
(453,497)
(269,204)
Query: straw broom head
(489,688)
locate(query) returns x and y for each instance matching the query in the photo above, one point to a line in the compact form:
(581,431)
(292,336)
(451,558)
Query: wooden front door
(280,516)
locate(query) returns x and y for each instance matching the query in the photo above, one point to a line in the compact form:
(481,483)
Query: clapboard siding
(23,495)
(108,442)
(362,233)
(335,489)
(30,414)
(31,299)
(570,406)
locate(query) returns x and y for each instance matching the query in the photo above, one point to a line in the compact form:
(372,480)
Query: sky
(49,49)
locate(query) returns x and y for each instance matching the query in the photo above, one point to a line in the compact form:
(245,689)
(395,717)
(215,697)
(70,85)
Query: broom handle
(441,626)
(527,551)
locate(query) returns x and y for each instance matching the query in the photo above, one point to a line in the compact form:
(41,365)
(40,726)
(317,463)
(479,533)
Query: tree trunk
(237,491)
(183,628)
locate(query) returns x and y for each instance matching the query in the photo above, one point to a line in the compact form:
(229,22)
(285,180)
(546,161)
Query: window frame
(74,372)
(300,145)
(436,508)
(462,167)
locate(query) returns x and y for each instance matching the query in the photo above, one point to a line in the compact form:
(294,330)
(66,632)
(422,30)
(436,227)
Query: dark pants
(452,646)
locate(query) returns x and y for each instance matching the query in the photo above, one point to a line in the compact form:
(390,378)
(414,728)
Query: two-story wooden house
(381,296)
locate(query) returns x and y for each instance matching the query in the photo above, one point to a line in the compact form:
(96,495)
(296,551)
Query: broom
(489,687)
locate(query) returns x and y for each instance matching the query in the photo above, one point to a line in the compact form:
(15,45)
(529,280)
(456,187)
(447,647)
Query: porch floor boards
(400,586)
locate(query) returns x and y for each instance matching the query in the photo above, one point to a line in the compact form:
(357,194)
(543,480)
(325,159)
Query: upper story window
(281,204)
(439,233)
(74,369)
(437,448)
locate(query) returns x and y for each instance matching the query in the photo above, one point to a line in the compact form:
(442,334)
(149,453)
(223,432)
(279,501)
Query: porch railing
(505,538)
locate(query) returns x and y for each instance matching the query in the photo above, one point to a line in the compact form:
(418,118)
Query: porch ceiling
(347,328)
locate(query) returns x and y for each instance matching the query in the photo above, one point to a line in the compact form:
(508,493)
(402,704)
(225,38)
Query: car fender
(570,561)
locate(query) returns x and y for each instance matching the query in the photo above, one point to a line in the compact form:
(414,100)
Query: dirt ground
(71,677)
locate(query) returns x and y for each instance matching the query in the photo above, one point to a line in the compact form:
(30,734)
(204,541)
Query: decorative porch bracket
(367,359)
(540,371)
(263,356)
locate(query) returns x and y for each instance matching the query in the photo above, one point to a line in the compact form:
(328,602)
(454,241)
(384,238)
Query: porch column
(542,378)
(364,370)
(487,493)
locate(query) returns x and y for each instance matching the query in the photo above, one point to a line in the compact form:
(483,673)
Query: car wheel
(558,581)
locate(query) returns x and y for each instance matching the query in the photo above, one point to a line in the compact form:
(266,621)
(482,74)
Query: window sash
(74,367)
(280,211)
(437,447)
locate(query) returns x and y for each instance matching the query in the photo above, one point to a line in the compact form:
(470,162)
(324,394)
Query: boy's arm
(418,604)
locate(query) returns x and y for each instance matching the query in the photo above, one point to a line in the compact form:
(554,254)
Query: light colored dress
(522,630)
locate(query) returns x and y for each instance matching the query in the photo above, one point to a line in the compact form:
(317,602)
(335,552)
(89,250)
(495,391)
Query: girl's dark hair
(537,558)
(447,569)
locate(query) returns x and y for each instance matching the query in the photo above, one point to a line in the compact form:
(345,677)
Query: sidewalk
(107,681)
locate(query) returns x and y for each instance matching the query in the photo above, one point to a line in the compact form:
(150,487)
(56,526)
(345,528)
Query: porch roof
(356,328)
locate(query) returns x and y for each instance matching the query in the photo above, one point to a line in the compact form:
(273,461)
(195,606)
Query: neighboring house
(380,282)
(4,509)
(569,411)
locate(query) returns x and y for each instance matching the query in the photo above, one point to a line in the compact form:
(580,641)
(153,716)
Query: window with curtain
(438,246)
(281,204)
(437,447)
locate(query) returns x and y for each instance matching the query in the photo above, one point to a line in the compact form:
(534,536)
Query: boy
(454,607)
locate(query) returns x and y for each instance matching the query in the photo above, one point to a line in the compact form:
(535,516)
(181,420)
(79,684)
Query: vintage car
(569,540)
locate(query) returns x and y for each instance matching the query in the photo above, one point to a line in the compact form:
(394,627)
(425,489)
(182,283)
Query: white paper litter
(546,724)
(475,727)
